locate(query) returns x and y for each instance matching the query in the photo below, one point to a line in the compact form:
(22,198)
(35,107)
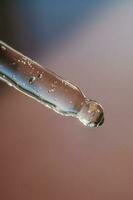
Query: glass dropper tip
(46,87)
(91,114)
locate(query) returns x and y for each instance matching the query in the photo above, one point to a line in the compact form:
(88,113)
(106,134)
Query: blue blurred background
(41,23)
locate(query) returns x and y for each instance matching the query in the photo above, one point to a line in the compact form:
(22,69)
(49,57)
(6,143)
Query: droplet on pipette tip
(91,114)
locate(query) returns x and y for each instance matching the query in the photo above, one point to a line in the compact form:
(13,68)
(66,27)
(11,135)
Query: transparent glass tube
(46,87)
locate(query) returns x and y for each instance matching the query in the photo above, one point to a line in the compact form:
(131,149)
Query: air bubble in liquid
(32,79)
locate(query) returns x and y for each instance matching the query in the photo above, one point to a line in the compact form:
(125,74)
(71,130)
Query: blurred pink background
(46,156)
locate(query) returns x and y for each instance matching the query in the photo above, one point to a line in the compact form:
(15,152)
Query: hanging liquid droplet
(48,88)
(91,114)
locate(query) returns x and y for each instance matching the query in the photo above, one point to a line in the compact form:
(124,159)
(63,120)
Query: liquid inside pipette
(47,88)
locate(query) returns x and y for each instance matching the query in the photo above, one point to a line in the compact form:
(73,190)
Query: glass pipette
(48,88)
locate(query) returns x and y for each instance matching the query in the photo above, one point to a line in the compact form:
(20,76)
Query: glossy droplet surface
(91,114)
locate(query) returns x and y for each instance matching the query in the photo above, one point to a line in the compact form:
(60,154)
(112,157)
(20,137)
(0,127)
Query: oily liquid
(46,87)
